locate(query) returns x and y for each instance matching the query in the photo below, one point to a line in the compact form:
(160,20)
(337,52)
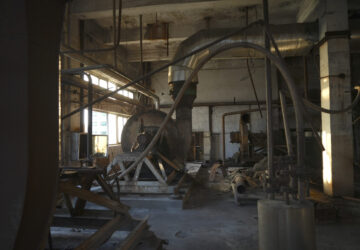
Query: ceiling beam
(93,9)
(309,11)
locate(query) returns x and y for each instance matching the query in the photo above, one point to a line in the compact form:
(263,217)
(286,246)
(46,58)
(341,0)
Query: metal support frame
(164,183)
(158,172)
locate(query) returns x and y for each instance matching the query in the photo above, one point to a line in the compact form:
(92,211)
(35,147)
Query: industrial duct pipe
(292,40)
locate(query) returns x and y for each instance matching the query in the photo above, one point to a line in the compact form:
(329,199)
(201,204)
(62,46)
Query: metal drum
(149,121)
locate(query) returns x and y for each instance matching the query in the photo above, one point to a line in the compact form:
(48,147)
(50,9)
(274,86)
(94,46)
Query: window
(94,80)
(103,84)
(99,120)
(121,124)
(85,78)
(126,93)
(111,86)
(108,85)
(112,129)
(106,124)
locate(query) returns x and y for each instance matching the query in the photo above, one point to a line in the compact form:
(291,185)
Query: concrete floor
(215,223)
(220,224)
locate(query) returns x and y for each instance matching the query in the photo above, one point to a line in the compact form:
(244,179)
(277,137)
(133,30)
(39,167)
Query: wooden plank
(181,181)
(127,224)
(91,197)
(105,186)
(154,171)
(101,236)
(86,184)
(133,237)
(171,177)
(171,164)
(68,204)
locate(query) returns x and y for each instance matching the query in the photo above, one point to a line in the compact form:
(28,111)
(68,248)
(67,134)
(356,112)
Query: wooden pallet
(117,217)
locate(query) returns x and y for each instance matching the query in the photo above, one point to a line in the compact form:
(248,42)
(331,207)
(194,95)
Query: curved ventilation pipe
(293,40)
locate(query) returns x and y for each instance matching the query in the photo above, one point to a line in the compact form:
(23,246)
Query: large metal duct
(292,39)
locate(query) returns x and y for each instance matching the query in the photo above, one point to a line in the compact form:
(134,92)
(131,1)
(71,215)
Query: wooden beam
(171,177)
(170,163)
(101,236)
(106,187)
(91,197)
(133,237)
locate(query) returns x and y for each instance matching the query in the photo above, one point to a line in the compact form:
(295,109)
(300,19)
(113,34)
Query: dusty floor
(217,223)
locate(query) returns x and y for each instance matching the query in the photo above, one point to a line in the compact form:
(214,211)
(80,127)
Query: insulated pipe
(280,64)
(292,39)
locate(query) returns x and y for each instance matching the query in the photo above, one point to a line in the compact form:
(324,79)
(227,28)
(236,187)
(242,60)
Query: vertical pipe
(119,24)
(82,111)
(292,183)
(114,32)
(141,45)
(223,138)
(81,38)
(286,124)
(89,137)
(269,123)
(306,80)
(68,28)
(211,129)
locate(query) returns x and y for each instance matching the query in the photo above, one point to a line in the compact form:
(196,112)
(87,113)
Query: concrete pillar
(335,94)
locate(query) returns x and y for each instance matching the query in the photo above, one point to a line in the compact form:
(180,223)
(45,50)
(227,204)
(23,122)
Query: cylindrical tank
(286,226)
(150,121)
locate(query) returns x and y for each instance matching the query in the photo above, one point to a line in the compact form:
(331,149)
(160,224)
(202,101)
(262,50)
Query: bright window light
(126,93)
(94,80)
(112,129)
(85,77)
(103,84)
(111,86)
(99,122)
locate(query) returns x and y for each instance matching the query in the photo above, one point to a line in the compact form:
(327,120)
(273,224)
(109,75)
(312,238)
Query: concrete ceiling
(185,17)
(186,11)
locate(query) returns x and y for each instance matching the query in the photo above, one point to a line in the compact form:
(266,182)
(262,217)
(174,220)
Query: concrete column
(335,94)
